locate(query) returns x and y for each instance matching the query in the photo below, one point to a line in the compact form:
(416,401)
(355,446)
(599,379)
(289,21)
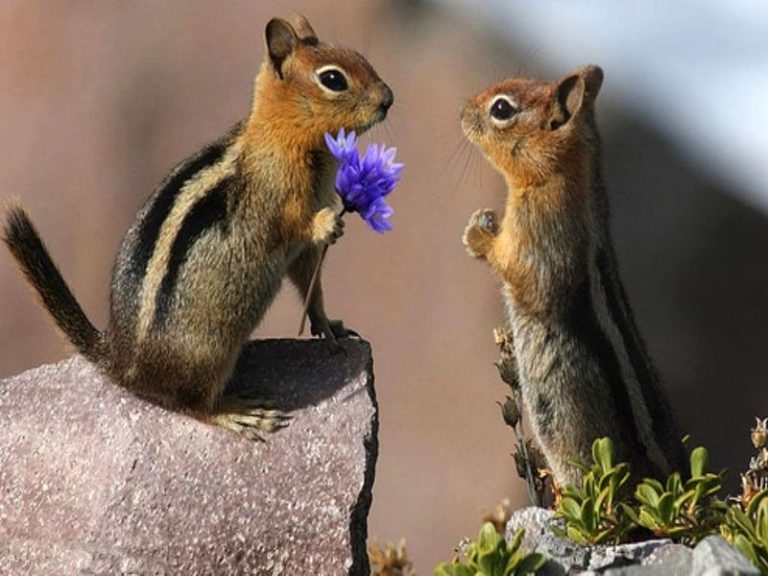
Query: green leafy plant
(490,555)
(592,511)
(747,529)
(685,511)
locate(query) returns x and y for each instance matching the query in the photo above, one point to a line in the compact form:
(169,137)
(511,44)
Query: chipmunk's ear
(578,88)
(281,42)
(303,29)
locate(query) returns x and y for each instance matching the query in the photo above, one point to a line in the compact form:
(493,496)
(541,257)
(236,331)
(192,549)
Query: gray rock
(562,554)
(715,557)
(567,557)
(535,521)
(712,557)
(668,560)
(604,557)
(95,481)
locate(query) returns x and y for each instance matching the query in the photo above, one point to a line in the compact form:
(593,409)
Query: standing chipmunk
(582,366)
(207,253)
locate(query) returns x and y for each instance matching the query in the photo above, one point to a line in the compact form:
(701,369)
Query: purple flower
(363,183)
(342,146)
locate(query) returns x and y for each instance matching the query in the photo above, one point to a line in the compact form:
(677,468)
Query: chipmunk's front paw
(327,226)
(331,330)
(480,232)
(248,416)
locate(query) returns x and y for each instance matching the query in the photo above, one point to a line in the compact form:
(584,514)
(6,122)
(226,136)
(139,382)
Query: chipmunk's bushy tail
(22,239)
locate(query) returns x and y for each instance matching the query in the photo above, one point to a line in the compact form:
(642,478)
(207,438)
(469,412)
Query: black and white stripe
(163,200)
(583,367)
(208,212)
(189,201)
(655,425)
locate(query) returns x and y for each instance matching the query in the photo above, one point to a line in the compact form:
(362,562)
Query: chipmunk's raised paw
(480,232)
(485,219)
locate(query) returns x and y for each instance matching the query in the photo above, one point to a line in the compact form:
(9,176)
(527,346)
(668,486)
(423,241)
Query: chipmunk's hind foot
(248,416)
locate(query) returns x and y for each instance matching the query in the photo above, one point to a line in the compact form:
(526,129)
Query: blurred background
(99,100)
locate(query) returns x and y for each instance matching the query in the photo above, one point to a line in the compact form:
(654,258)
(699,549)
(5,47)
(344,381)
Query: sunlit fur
(582,365)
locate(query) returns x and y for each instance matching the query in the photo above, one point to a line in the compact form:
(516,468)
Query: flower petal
(364,182)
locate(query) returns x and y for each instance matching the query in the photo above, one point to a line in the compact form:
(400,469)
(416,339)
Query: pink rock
(95,481)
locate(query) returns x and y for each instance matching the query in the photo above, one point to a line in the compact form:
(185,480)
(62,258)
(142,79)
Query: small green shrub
(592,511)
(747,529)
(685,511)
(490,555)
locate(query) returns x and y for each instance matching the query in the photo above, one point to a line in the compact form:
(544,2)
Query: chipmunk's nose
(387,98)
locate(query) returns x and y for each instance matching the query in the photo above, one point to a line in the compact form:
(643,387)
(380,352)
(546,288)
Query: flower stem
(313,282)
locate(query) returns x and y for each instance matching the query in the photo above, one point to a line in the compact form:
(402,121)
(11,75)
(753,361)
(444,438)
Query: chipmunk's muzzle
(387,99)
(385,103)
(376,107)
(472,123)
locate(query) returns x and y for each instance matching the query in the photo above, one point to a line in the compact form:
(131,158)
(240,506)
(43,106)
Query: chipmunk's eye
(332,78)
(502,109)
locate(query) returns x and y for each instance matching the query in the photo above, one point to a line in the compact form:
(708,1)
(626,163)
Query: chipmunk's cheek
(364,118)
(371,119)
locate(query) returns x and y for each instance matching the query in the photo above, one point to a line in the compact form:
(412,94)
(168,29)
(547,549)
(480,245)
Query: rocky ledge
(96,481)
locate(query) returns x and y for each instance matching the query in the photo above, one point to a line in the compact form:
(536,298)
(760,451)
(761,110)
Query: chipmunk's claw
(353,334)
(332,329)
(248,416)
(485,219)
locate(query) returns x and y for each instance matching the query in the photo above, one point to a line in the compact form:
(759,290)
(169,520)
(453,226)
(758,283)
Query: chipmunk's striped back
(135,295)
(650,431)
(582,365)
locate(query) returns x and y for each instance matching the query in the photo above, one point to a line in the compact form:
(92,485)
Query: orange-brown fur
(548,171)
(581,364)
(226,227)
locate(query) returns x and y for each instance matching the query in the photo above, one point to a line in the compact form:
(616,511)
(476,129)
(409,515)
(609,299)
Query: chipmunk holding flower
(207,253)
(579,359)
